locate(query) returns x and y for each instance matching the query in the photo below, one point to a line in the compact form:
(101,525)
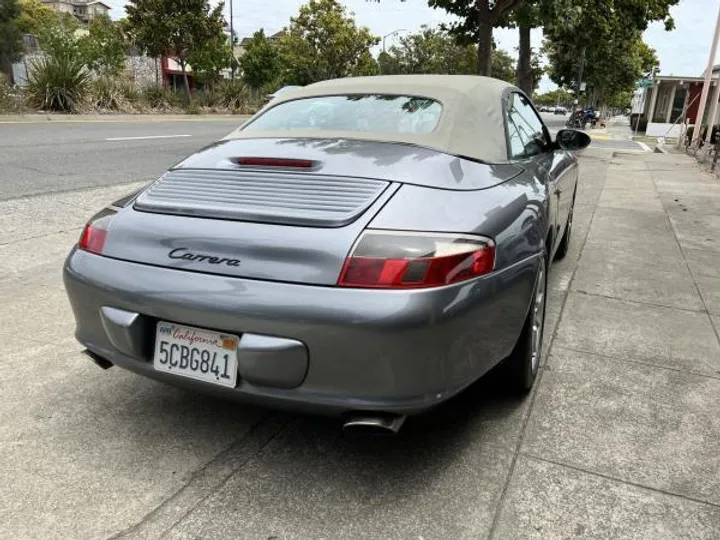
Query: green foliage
(503,66)
(366,66)
(323,42)
(234,95)
(208,60)
(611,35)
(154,96)
(58,83)
(476,20)
(435,50)
(9,101)
(431,50)
(173,28)
(57,38)
(10,34)
(260,64)
(554,97)
(104,47)
(35,16)
(106,94)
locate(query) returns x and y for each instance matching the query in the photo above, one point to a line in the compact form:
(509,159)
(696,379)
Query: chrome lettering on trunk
(186,255)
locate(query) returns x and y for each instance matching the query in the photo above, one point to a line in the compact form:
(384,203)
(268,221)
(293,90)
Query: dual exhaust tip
(374,424)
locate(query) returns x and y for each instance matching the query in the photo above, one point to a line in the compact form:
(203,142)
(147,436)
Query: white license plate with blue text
(196,353)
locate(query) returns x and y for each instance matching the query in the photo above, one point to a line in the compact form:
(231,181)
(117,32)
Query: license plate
(195,353)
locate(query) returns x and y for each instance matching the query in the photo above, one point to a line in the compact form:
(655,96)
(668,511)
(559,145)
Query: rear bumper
(394,351)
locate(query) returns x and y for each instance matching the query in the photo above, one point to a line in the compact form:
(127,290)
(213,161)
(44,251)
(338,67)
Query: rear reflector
(402,260)
(95,232)
(275,162)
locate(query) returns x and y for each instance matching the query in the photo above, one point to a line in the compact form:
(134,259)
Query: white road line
(644,146)
(146,137)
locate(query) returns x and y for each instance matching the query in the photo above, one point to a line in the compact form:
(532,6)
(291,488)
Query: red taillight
(95,232)
(400,260)
(275,162)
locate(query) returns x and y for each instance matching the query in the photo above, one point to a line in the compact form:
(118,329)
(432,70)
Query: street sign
(645,83)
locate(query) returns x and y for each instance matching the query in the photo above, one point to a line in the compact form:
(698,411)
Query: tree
(10,36)
(554,97)
(323,42)
(431,50)
(260,63)
(503,66)
(104,47)
(435,50)
(34,16)
(210,59)
(477,20)
(601,40)
(58,39)
(172,28)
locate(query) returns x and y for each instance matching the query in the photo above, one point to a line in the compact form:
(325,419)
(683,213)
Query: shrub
(129,92)
(106,94)
(58,84)
(154,97)
(8,101)
(192,107)
(234,95)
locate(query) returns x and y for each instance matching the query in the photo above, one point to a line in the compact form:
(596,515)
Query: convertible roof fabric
(471,123)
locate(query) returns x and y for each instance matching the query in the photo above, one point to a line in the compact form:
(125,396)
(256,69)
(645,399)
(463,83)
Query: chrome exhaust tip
(98,360)
(374,424)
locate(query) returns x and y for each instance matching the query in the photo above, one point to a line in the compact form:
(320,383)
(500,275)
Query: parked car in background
(560,110)
(364,247)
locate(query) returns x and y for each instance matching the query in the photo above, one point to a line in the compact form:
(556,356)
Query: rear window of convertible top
(377,113)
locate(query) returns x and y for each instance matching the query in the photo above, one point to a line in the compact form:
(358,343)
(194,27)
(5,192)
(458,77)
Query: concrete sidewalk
(619,439)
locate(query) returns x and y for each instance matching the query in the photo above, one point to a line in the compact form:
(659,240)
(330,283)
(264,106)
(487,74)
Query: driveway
(618,440)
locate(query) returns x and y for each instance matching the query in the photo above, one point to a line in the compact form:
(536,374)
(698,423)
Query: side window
(525,129)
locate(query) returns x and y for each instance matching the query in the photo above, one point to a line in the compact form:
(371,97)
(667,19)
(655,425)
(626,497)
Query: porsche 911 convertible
(364,247)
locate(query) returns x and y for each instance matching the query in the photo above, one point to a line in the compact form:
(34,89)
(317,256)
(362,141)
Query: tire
(524,362)
(564,246)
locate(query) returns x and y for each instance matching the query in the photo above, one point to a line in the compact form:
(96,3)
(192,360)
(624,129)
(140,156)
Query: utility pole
(232,42)
(695,143)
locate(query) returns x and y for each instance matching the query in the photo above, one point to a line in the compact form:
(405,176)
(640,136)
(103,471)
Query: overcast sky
(684,51)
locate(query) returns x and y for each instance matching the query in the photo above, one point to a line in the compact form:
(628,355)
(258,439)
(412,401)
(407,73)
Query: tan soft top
(471,123)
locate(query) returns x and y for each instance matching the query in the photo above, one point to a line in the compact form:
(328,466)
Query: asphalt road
(46,157)
(49,157)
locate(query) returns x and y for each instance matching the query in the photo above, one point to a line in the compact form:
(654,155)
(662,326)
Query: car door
(530,145)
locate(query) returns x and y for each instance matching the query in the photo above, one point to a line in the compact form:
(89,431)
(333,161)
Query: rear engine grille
(272,197)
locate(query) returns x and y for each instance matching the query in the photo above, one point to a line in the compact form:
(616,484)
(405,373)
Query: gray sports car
(363,247)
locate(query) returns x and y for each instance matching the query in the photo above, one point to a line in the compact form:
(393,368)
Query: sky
(683,51)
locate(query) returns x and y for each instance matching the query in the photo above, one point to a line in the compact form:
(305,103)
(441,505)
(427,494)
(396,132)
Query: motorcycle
(580,119)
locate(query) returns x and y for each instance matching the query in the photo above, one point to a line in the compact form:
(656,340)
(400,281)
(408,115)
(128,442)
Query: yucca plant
(106,94)
(58,83)
(154,97)
(234,95)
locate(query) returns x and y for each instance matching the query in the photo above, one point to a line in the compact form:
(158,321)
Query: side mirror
(572,139)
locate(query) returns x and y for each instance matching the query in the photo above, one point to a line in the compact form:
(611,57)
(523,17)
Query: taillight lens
(95,232)
(403,260)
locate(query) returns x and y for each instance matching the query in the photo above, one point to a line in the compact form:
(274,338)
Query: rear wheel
(524,361)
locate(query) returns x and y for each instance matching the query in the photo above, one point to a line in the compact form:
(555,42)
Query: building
(674,101)
(83,10)
(239,49)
